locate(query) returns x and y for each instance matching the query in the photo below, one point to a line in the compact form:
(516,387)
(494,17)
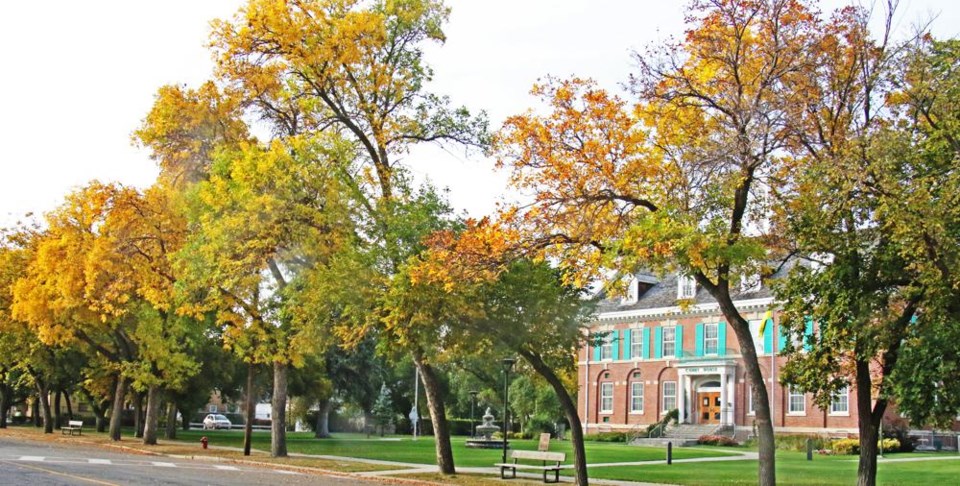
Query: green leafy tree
(878,204)
(383,412)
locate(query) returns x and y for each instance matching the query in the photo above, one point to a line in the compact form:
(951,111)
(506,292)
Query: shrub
(846,446)
(890,445)
(716,440)
(537,425)
(798,443)
(606,437)
(899,430)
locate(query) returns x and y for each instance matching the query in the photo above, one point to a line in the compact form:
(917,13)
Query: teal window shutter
(627,344)
(782,339)
(699,345)
(615,341)
(808,335)
(646,343)
(679,337)
(721,338)
(768,337)
(657,342)
(596,350)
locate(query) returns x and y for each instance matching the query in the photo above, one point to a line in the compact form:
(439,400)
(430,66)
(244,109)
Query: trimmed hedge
(716,440)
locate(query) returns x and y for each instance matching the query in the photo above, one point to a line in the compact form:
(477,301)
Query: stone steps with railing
(678,435)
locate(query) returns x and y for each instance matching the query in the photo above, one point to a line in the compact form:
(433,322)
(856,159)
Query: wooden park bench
(71,427)
(549,461)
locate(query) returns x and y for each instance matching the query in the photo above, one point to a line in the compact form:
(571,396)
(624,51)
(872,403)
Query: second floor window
(710,338)
(606,348)
(636,343)
(669,341)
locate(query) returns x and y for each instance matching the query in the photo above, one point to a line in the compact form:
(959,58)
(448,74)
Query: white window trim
(832,413)
(716,350)
(602,386)
(751,410)
(663,342)
(685,283)
(607,344)
(790,394)
(636,333)
(632,294)
(663,398)
(643,396)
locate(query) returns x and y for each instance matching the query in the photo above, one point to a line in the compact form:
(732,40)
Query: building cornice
(680,312)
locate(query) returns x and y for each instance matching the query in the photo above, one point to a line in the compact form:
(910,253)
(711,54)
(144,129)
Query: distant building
(659,356)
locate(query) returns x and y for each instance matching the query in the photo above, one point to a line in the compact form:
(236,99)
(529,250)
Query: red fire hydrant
(203,442)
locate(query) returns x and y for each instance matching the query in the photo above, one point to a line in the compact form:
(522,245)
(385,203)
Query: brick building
(659,355)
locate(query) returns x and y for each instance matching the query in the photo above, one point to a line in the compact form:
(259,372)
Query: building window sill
(606,412)
(839,414)
(796,414)
(637,412)
(751,414)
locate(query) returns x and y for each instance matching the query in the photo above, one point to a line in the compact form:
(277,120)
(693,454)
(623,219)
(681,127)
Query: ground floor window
(750,409)
(797,401)
(841,402)
(606,397)
(669,395)
(636,396)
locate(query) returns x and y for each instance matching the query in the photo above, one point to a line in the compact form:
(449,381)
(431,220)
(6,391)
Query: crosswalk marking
(32,458)
(163,464)
(99,461)
(226,468)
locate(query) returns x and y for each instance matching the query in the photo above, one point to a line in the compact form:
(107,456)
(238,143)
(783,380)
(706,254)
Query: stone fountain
(484,439)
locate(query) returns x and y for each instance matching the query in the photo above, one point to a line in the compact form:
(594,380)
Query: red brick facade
(706,378)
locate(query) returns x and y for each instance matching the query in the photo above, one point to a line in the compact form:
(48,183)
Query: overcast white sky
(78,77)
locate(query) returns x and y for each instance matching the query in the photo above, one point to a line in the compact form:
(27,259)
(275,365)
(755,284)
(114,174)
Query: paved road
(33,463)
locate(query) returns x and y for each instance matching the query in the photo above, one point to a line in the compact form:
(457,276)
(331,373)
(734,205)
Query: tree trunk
(185,416)
(99,409)
(138,415)
(66,398)
(868,421)
(57,422)
(251,410)
(322,430)
(35,413)
(438,415)
(152,422)
(569,407)
(44,395)
(116,416)
(767,474)
(278,425)
(4,404)
(170,433)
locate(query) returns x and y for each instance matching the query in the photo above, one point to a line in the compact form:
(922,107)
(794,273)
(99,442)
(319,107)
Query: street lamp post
(507,365)
(473,423)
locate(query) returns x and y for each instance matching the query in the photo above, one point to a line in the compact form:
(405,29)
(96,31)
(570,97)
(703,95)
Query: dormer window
(632,294)
(750,283)
(686,287)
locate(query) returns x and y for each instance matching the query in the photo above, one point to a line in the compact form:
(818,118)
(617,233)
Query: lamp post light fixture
(507,366)
(473,423)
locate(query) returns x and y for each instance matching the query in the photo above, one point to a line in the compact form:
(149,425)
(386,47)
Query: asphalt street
(32,463)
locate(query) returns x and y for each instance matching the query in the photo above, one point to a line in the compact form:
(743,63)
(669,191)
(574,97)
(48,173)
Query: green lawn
(792,468)
(422,451)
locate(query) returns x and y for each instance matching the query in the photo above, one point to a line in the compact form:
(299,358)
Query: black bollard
(809,449)
(669,453)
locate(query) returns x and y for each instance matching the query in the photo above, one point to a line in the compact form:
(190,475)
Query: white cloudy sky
(78,77)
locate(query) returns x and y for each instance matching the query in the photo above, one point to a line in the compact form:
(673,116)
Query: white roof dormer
(686,287)
(632,294)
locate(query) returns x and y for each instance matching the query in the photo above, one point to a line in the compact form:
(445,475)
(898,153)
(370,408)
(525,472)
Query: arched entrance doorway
(709,402)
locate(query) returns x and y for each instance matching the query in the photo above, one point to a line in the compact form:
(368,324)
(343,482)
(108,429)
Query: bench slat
(538,455)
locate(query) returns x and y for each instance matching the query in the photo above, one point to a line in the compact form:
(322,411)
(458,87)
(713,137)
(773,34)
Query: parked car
(216,421)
